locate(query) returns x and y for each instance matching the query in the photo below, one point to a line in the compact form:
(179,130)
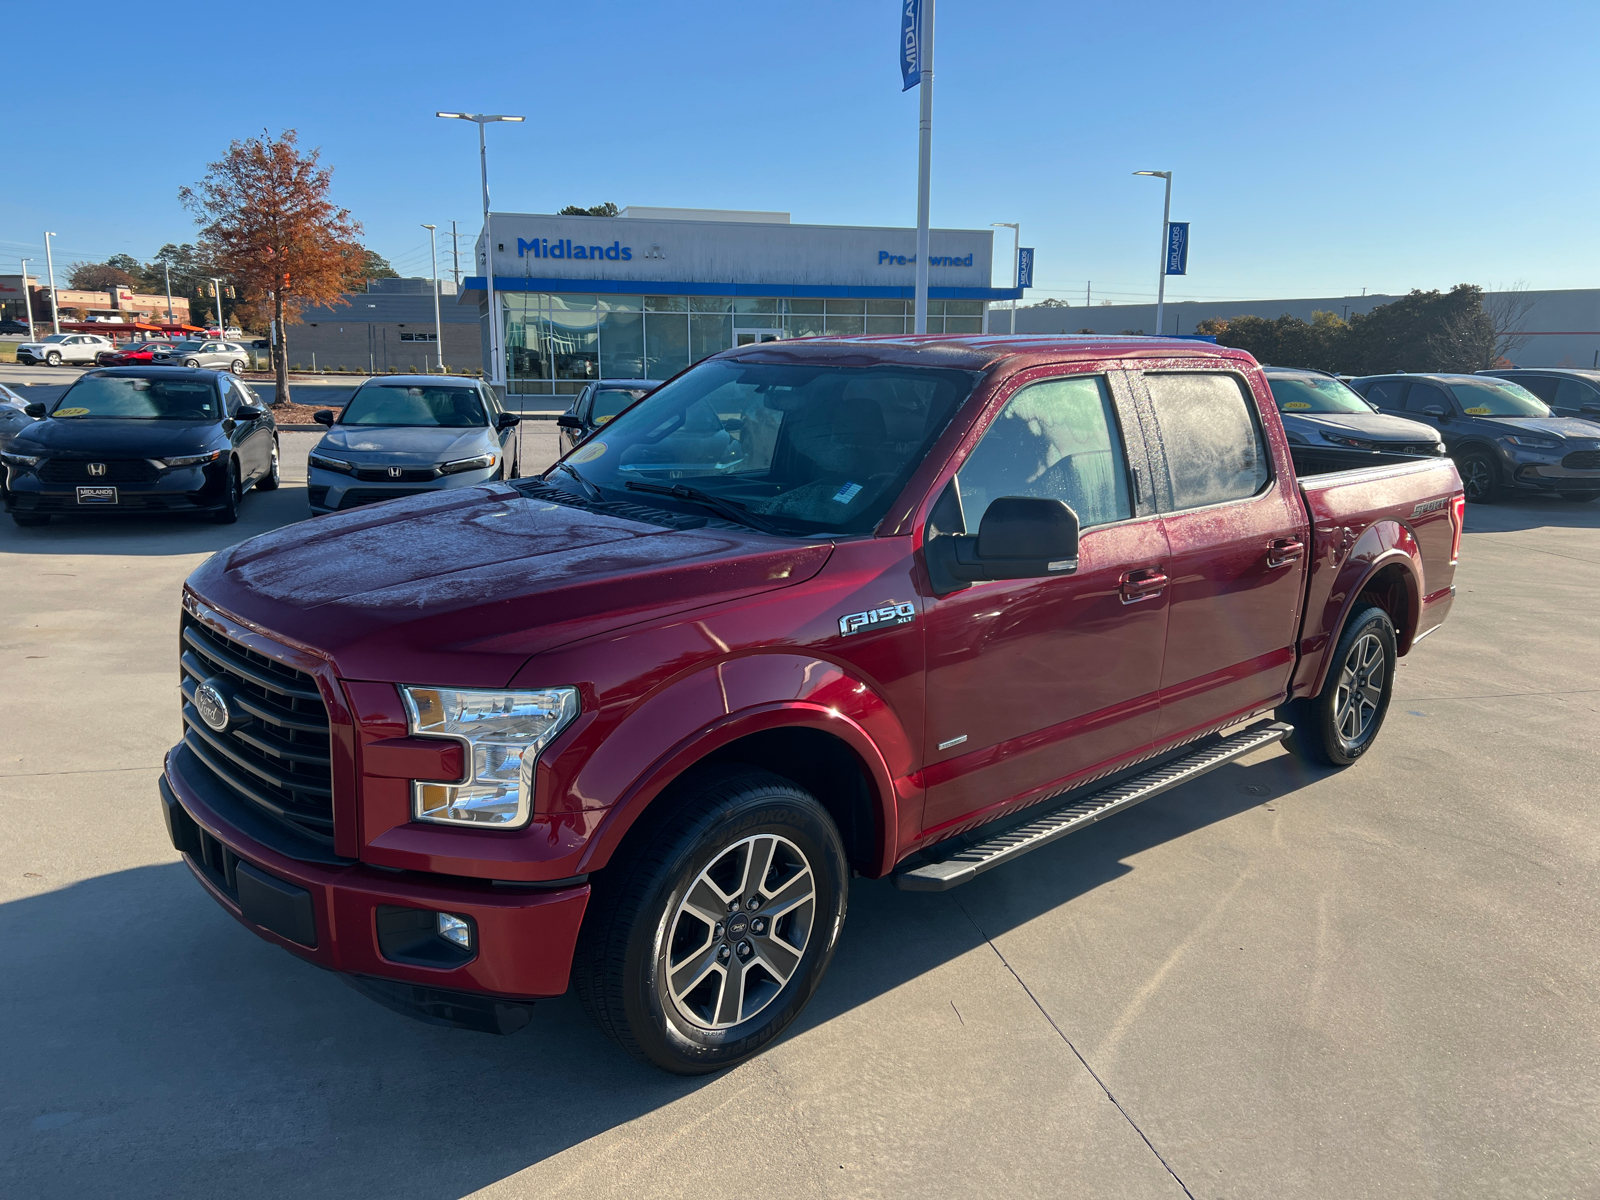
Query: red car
(905,607)
(134,354)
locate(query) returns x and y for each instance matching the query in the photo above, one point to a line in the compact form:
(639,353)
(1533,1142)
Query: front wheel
(1480,477)
(706,940)
(1339,724)
(191,362)
(52,359)
(1581,497)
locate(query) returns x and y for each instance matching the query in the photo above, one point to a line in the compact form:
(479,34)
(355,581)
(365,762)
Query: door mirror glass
(1435,410)
(325,417)
(568,421)
(34,410)
(249,412)
(506,420)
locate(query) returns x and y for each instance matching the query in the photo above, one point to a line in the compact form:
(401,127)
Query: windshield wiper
(589,489)
(731,509)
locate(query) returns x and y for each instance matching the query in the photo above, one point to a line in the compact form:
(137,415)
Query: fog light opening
(453,929)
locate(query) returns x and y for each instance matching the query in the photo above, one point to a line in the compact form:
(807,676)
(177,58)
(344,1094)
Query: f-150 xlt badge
(889,614)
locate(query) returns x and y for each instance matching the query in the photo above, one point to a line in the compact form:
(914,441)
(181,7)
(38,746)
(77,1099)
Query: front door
(1032,682)
(1237,538)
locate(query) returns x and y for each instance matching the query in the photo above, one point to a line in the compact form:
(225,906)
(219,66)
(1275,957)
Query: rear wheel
(1339,725)
(706,939)
(229,512)
(1581,497)
(236,367)
(1480,477)
(270,481)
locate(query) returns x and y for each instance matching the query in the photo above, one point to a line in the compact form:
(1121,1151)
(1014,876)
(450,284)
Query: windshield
(809,449)
(1501,398)
(1314,395)
(125,397)
(56,337)
(188,345)
(608,402)
(411,405)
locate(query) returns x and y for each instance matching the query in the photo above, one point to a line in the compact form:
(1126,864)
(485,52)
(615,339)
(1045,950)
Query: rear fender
(1385,545)
(692,718)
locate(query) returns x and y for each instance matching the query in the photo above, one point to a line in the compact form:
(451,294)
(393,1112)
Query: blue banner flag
(1177,248)
(1025,267)
(911,43)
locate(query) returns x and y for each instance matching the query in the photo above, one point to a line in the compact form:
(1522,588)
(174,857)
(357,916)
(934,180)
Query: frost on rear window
(1214,449)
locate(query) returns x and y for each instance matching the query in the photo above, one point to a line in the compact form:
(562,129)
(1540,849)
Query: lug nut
(716,931)
(759,925)
(753,903)
(744,950)
(723,954)
(733,905)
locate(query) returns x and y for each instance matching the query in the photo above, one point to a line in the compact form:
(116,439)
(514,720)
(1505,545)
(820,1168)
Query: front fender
(1382,545)
(696,715)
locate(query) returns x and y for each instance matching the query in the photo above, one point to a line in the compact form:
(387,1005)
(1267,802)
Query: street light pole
(166,270)
(50,265)
(497,366)
(1166,217)
(438,331)
(455,257)
(27,299)
(924,162)
(216,289)
(1016,263)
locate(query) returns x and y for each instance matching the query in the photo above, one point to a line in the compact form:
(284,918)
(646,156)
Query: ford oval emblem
(212,706)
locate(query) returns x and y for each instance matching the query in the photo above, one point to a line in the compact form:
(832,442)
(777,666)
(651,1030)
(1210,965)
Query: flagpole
(924,160)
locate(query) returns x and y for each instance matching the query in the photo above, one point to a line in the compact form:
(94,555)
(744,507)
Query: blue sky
(1317,149)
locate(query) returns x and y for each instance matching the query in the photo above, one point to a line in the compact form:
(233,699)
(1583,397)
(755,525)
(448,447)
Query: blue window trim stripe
(797,291)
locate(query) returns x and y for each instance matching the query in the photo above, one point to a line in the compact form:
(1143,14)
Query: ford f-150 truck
(904,607)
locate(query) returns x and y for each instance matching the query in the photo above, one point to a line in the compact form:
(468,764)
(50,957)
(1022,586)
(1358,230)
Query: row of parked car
(59,349)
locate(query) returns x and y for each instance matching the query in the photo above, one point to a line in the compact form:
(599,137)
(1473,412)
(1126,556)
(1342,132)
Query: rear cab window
(1211,439)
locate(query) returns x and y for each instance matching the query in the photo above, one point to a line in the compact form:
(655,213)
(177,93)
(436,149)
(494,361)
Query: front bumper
(334,491)
(327,912)
(183,489)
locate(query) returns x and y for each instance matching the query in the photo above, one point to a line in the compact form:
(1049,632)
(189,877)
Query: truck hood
(401,445)
(462,587)
(1376,426)
(1560,427)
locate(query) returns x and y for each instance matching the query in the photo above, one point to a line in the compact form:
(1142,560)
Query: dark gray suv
(1502,437)
(1569,391)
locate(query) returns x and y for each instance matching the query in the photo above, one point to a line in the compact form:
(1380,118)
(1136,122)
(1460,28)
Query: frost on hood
(1214,449)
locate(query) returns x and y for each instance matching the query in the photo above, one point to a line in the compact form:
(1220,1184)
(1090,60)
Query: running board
(968,864)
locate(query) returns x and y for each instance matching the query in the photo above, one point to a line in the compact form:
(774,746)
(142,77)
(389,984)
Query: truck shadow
(166,1046)
(1523,511)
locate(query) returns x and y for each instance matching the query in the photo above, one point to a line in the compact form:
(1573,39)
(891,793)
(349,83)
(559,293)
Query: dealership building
(643,294)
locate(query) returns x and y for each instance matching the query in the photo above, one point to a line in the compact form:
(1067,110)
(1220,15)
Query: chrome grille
(66,470)
(1582,460)
(278,757)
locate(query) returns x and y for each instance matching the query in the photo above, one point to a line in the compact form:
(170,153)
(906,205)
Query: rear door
(1033,681)
(1237,534)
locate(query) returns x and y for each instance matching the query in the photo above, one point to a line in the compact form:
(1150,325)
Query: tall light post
(1016,262)
(216,290)
(438,331)
(166,271)
(497,366)
(27,299)
(50,265)
(924,161)
(1166,217)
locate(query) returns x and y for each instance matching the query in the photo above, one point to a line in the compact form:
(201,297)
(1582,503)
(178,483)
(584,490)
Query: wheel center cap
(738,925)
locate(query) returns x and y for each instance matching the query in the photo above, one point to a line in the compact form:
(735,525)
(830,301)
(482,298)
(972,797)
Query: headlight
(189,460)
(503,733)
(1340,440)
(20,460)
(480,463)
(1528,440)
(331,464)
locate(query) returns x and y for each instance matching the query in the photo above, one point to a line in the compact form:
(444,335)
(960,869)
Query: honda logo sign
(97,469)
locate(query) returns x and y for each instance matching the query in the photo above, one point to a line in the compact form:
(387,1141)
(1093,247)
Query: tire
(31,520)
(1328,728)
(52,359)
(229,512)
(1580,497)
(697,857)
(1480,477)
(270,481)
(236,367)
(191,362)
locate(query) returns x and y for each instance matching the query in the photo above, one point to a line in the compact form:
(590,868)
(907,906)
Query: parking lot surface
(1275,982)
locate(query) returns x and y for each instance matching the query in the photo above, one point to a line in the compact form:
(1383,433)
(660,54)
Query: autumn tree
(267,223)
(99,277)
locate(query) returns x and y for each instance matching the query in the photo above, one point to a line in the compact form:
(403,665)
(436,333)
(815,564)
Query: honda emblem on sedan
(97,468)
(394,472)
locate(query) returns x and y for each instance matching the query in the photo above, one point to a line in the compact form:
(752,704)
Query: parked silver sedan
(404,434)
(213,356)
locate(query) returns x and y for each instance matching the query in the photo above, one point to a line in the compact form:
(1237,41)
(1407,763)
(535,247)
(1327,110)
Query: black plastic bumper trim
(439,1006)
(276,905)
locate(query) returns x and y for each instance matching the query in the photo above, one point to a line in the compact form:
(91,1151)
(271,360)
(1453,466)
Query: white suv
(61,348)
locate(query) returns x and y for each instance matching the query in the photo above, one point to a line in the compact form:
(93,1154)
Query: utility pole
(166,270)
(1088,294)
(50,265)
(27,299)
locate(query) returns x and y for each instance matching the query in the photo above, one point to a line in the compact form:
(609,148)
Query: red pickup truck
(905,607)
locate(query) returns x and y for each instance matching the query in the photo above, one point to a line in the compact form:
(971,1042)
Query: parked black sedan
(1319,409)
(140,439)
(1502,436)
(597,404)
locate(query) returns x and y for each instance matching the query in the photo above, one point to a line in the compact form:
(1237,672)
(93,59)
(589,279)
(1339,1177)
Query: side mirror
(568,421)
(249,412)
(1021,537)
(324,417)
(1435,410)
(506,420)
(35,410)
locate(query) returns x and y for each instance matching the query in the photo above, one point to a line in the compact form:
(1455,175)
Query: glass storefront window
(837,307)
(801,325)
(666,343)
(621,345)
(964,308)
(710,304)
(887,308)
(754,304)
(805,306)
(666,304)
(574,337)
(843,324)
(708,334)
(963,324)
(621,303)
(886,324)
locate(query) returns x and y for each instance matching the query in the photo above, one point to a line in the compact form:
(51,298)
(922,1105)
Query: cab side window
(1424,396)
(1542,386)
(1056,440)
(1214,449)
(1385,393)
(1574,395)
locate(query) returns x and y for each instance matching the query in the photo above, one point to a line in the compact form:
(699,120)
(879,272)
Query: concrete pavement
(1275,982)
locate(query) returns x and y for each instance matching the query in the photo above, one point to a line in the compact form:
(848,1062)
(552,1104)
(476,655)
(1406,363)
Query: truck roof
(976,352)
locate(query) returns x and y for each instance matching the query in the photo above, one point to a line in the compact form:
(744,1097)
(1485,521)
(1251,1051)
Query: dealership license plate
(97,495)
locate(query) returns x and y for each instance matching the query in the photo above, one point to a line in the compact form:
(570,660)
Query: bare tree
(1508,309)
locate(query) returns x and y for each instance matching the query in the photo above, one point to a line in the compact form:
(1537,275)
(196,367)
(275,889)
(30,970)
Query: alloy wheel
(1360,690)
(740,932)
(1477,479)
